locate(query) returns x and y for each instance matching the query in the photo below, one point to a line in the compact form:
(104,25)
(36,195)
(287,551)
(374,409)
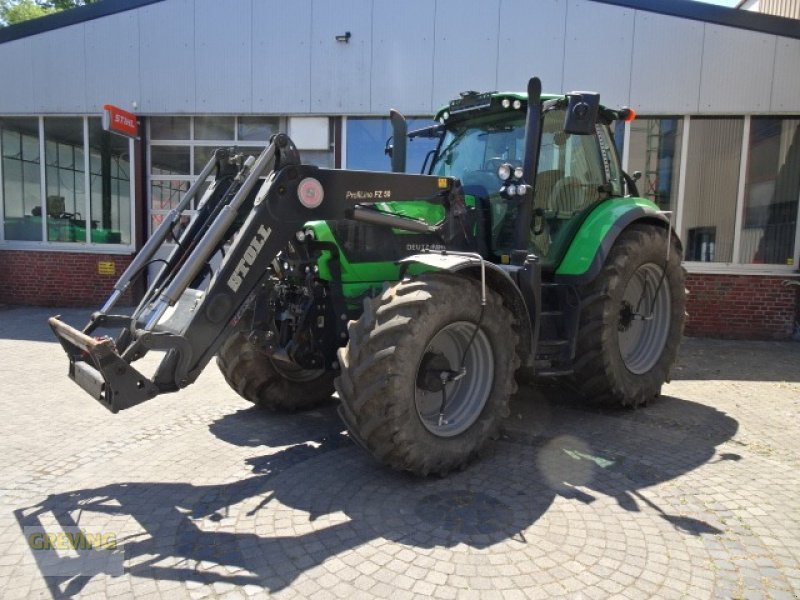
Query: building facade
(717,140)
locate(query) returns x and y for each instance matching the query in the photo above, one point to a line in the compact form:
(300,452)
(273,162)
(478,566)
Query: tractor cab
(483,144)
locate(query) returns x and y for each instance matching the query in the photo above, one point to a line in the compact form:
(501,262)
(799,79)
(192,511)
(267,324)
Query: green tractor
(522,250)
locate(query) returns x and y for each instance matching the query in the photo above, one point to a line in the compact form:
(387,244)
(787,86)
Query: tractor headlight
(518,172)
(444,117)
(511,190)
(505,103)
(517,104)
(504,171)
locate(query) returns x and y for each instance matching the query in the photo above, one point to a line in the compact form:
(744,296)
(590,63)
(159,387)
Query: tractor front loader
(419,298)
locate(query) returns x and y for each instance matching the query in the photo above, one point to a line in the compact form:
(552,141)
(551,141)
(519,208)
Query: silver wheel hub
(448,399)
(644,319)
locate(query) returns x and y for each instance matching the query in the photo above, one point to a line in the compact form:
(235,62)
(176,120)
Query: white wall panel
(16,67)
(222,48)
(531,43)
(737,70)
(786,79)
(597,53)
(465,56)
(166,54)
(402,56)
(340,72)
(278,57)
(112,61)
(666,74)
(281,62)
(59,67)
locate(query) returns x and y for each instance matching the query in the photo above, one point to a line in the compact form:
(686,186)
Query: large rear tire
(269,383)
(631,325)
(404,339)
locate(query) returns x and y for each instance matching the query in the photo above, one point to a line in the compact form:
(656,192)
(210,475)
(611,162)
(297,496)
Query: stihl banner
(120,121)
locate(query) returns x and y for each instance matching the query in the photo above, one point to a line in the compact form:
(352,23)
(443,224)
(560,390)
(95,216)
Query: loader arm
(190,323)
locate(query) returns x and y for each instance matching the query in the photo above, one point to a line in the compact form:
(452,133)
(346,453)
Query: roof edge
(73,16)
(719,15)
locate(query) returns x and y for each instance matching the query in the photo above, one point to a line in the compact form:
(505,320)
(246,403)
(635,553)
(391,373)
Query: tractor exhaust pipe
(399,133)
(533,134)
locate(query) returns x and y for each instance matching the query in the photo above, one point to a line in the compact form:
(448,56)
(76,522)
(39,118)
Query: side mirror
(398,148)
(582,112)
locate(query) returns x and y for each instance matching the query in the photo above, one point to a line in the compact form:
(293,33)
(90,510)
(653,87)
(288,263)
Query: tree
(16,11)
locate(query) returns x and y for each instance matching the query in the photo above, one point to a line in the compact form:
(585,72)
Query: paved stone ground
(697,495)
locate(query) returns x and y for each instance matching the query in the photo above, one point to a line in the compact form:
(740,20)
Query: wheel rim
(295,373)
(466,396)
(642,340)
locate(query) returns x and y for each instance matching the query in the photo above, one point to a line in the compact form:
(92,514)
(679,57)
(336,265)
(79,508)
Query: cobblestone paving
(695,496)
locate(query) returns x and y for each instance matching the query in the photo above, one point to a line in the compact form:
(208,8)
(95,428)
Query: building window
(109,185)
(366,141)
(181,146)
(85,197)
(21,179)
(712,183)
(65,179)
(772,190)
(655,151)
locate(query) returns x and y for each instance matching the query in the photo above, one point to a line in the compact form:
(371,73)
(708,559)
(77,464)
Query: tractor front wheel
(632,318)
(405,396)
(270,383)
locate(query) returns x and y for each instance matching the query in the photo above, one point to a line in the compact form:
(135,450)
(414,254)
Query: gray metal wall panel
(665,76)
(281,56)
(531,43)
(737,70)
(402,56)
(597,54)
(166,55)
(223,55)
(786,79)
(59,67)
(112,61)
(340,72)
(16,65)
(465,56)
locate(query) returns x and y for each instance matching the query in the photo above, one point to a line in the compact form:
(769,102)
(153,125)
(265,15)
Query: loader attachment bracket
(96,367)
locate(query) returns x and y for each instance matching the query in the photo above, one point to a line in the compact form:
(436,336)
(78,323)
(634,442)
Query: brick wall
(741,306)
(729,306)
(57,278)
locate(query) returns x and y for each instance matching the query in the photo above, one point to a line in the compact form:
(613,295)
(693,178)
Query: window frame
(193,143)
(85,247)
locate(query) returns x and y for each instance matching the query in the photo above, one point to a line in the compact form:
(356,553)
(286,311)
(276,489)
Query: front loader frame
(190,324)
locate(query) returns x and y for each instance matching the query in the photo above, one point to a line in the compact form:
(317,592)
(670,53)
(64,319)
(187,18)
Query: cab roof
(476,101)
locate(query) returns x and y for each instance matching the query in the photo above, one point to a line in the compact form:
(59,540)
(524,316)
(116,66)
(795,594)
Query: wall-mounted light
(344,38)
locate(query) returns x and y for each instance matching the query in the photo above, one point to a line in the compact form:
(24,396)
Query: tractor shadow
(313,494)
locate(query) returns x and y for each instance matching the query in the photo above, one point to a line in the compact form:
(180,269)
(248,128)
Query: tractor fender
(499,280)
(594,239)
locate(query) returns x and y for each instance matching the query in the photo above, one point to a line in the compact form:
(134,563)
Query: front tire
(631,326)
(270,383)
(403,341)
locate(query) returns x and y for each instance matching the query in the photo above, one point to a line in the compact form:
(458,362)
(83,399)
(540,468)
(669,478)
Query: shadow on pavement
(313,494)
(30,323)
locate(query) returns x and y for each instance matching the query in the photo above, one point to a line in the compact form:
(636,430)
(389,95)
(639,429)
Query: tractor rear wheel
(393,399)
(270,383)
(632,318)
